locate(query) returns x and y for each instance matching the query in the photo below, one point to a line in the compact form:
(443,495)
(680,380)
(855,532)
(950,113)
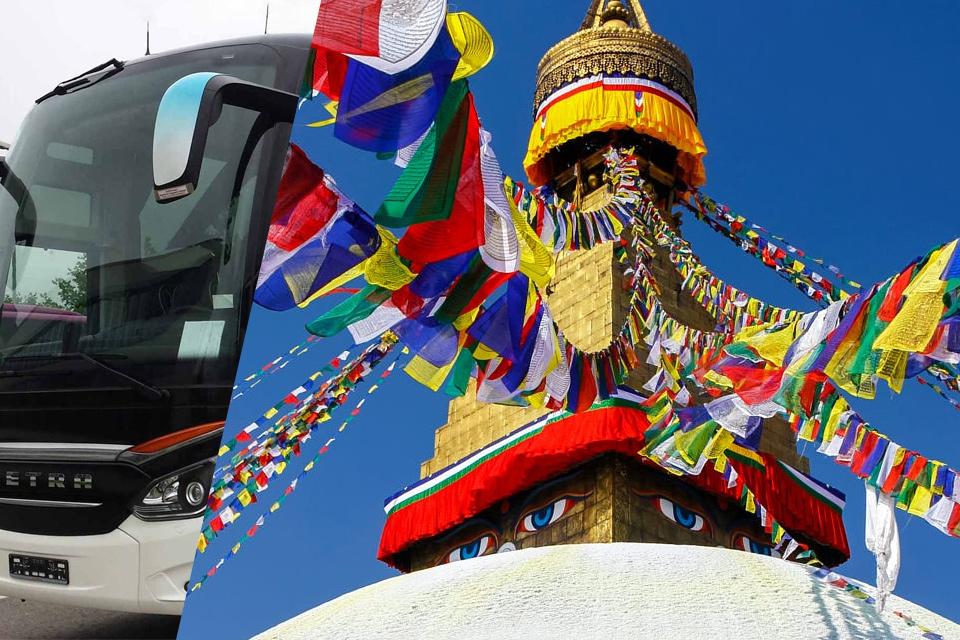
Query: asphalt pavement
(40,621)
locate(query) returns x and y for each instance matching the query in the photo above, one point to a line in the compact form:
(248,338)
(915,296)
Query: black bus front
(122,322)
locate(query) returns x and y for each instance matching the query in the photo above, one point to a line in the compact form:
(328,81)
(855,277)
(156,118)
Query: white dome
(608,591)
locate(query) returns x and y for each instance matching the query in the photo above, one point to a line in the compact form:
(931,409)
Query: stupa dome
(611,591)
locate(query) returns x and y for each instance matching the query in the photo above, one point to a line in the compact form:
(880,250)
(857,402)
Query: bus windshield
(102,287)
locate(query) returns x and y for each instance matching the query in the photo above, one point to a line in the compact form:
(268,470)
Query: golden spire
(615,37)
(615,46)
(605,12)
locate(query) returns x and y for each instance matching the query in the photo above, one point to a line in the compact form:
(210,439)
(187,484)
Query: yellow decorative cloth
(603,103)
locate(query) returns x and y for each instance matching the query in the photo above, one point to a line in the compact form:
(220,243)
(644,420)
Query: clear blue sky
(833,124)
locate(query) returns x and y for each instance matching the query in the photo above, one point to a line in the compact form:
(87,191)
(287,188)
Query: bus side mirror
(188,109)
(4,150)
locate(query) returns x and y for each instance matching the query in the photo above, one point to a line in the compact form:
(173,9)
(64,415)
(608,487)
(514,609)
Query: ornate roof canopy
(615,38)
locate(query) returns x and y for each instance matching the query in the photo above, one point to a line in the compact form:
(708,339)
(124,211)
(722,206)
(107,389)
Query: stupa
(506,478)
(603,543)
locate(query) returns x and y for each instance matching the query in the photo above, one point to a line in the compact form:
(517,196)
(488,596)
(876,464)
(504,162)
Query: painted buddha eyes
(546,515)
(745,543)
(477,547)
(490,540)
(681,515)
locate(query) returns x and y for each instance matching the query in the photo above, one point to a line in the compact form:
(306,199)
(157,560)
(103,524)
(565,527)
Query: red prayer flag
(462,230)
(349,26)
(304,203)
(953,526)
(919,463)
(329,72)
(891,303)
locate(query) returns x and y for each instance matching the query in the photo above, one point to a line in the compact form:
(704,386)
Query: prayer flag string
(265,457)
(278,504)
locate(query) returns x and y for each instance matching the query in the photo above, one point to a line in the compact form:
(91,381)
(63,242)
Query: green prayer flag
(426,189)
(456,384)
(464,290)
(353,309)
(692,443)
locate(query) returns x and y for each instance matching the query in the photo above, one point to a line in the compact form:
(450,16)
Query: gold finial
(615,16)
(613,13)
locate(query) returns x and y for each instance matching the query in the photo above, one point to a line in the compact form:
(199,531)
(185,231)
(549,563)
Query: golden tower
(589,295)
(614,38)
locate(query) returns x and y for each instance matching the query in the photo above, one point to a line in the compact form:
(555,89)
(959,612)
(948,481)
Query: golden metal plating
(615,39)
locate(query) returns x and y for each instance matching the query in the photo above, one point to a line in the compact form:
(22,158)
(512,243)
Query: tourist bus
(133,212)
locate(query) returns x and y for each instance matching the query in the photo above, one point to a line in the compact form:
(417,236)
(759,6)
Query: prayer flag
(382,112)
(316,234)
(390,35)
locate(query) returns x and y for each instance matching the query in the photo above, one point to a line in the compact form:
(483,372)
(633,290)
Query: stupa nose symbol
(507,546)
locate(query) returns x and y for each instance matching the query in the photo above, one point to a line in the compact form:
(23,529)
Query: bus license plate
(36,568)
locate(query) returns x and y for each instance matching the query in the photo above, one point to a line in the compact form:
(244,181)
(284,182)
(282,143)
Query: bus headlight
(182,494)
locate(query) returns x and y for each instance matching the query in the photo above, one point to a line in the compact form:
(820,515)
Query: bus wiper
(154,392)
(85,79)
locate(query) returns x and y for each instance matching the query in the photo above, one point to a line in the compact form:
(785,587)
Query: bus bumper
(140,567)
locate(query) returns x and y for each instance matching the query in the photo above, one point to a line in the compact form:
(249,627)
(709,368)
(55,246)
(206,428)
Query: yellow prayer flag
(463,322)
(892,367)
(482,353)
(537,400)
(385,268)
(339,281)
(660,412)
(920,503)
(472,41)
(722,440)
(833,420)
(934,472)
(915,323)
(720,465)
(427,374)
(718,379)
(536,261)
(772,346)
(331,108)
